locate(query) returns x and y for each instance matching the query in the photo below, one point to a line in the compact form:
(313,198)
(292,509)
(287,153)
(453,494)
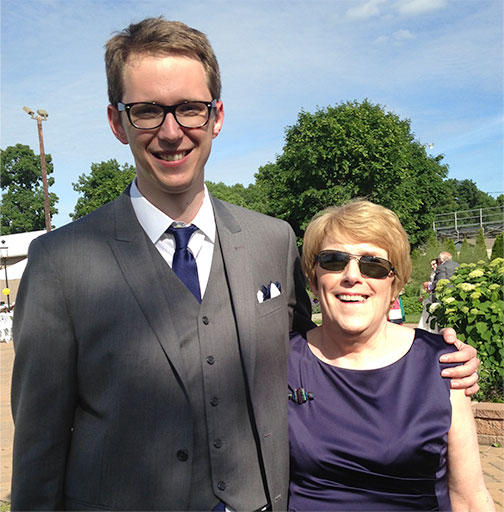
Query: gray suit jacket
(102,417)
(443,271)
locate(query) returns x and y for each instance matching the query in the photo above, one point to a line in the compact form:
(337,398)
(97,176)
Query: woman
(428,285)
(372,424)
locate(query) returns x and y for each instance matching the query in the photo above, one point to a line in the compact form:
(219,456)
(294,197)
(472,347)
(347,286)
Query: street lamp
(42,115)
(6,290)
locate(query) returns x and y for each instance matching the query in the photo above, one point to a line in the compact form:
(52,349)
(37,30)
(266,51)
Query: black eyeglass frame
(167,109)
(377,262)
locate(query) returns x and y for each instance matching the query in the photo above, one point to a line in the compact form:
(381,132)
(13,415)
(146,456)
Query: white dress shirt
(155,223)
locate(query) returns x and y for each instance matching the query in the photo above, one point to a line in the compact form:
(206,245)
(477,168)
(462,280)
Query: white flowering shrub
(472,302)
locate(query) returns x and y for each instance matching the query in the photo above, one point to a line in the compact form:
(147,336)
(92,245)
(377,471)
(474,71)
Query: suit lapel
(236,259)
(130,247)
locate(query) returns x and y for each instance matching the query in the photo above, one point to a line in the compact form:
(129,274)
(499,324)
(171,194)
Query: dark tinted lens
(333,260)
(371,266)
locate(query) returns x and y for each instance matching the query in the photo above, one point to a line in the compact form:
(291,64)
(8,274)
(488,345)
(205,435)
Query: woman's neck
(360,351)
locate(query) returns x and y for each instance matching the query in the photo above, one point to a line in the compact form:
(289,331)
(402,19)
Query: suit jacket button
(182,455)
(205,320)
(214,401)
(210,359)
(217,443)
(221,485)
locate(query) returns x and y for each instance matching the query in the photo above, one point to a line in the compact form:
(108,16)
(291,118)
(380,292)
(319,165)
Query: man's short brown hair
(157,36)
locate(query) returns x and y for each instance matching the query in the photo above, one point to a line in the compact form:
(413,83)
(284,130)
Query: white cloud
(365,10)
(402,35)
(381,40)
(413,7)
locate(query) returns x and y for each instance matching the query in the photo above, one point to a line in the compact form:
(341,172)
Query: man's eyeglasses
(149,115)
(369,266)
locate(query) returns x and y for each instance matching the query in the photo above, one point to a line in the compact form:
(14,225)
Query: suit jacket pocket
(271,306)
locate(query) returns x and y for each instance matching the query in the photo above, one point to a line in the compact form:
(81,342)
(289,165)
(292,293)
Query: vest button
(205,320)
(210,359)
(221,485)
(214,401)
(217,443)
(182,455)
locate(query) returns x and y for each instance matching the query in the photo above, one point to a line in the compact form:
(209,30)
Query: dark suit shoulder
(97,224)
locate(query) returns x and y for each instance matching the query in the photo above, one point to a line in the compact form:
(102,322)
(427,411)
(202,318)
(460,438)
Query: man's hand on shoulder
(464,376)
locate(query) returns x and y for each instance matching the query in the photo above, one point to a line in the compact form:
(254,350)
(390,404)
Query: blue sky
(435,62)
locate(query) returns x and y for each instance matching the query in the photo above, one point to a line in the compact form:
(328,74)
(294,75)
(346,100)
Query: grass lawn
(4,506)
(413,318)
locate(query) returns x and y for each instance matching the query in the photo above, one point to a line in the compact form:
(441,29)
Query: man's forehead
(136,58)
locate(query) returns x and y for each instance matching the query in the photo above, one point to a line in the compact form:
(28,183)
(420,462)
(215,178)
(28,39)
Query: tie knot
(182,235)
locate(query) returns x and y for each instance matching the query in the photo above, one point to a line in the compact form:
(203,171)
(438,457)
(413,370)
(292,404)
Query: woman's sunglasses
(369,266)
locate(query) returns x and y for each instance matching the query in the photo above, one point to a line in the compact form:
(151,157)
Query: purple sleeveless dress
(369,440)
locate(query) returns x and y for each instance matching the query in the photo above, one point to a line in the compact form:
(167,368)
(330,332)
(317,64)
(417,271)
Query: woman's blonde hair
(361,222)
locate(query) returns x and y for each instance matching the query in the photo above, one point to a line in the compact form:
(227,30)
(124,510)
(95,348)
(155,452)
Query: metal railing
(469,222)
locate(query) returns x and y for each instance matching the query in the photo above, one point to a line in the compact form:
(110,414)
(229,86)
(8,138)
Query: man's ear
(116,126)
(219,119)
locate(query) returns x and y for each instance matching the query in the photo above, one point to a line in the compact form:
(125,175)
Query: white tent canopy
(15,271)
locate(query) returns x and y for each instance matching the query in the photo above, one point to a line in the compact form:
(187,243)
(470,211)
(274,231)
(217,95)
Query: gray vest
(225,458)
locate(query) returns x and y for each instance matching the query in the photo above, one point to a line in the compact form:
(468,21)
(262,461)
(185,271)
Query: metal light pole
(4,261)
(42,116)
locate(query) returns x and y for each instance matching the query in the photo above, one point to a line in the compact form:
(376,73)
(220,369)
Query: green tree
(480,250)
(250,197)
(22,206)
(498,247)
(348,151)
(105,183)
(421,258)
(448,245)
(466,254)
(461,195)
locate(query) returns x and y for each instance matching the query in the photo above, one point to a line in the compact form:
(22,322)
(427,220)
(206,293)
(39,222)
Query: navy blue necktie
(184,264)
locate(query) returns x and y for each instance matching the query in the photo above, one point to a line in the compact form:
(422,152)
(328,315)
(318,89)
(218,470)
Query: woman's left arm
(467,487)
(464,376)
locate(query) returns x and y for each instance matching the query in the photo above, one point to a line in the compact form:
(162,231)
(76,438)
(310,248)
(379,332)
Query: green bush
(412,304)
(498,247)
(472,302)
(480,250)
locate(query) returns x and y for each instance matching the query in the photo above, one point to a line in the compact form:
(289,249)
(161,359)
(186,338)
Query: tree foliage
(480,250)
(448,245)
(22,206)
(105,183)
(348,151)
(461,195)
(466,254)
(250,197)
(498,247)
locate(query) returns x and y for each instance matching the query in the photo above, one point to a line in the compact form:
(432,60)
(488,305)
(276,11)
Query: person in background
(423,323)
(372,423)
(427,285)
(396,313)
(445,269)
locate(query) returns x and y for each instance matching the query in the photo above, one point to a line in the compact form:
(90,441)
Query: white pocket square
(269,292)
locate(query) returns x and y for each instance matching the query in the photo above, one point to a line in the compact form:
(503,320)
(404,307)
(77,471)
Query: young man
(148,374)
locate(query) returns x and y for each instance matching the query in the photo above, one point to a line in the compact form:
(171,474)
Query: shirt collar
(154,222)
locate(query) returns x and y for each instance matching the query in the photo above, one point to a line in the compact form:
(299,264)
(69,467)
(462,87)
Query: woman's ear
(313,286)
